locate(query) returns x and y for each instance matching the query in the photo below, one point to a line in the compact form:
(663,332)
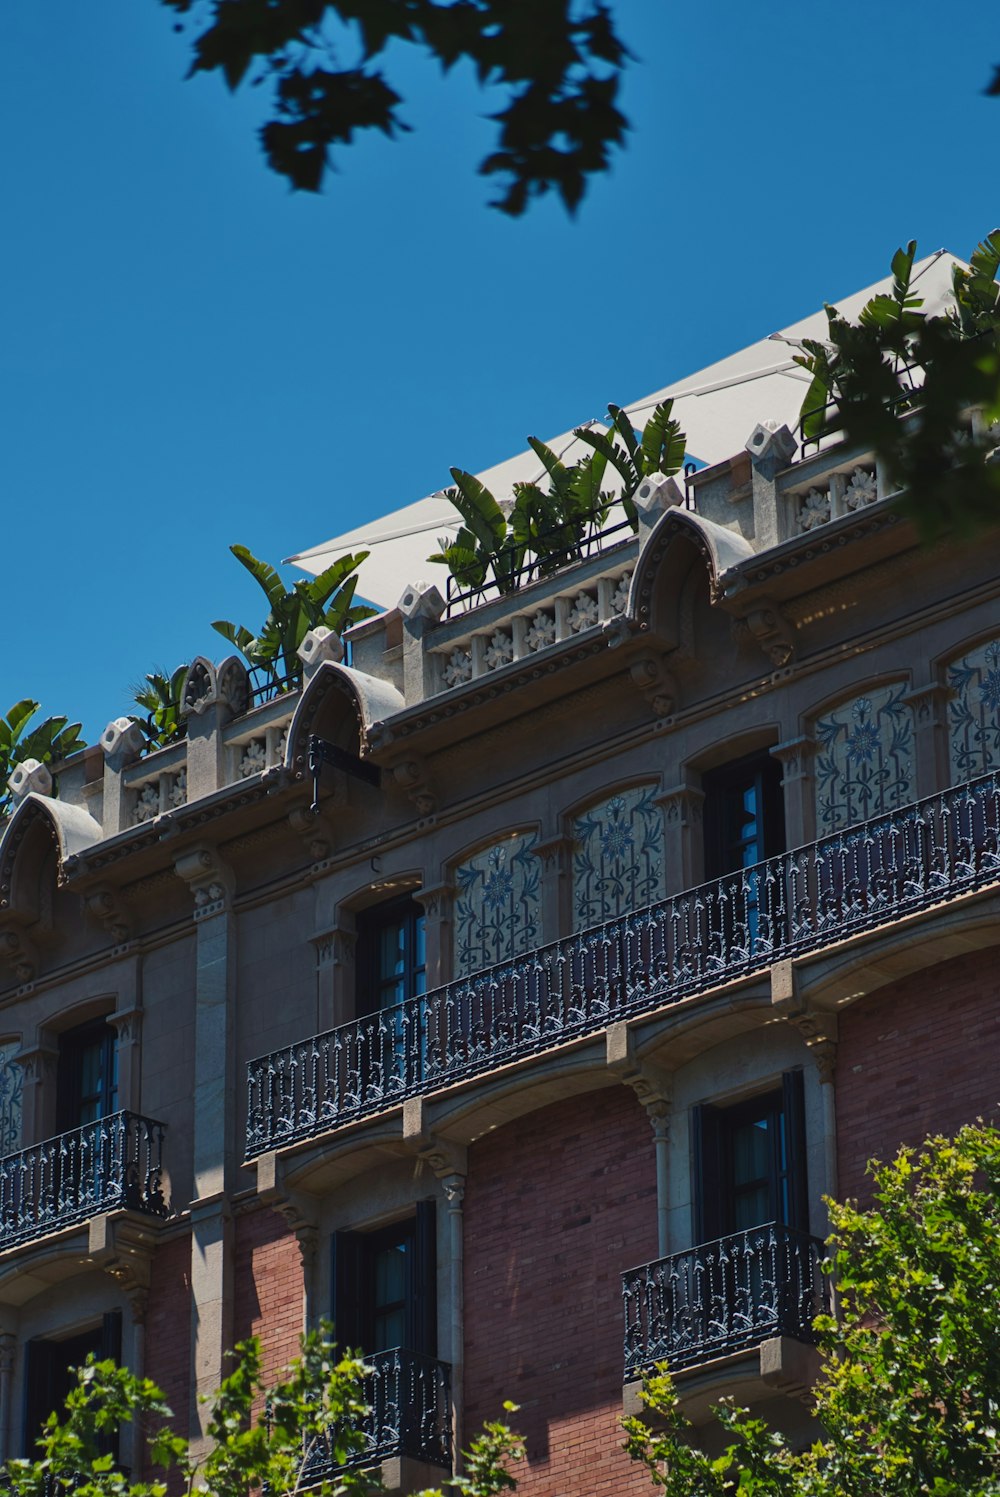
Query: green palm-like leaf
(478,508)
(321,588)
(663,442)
(554,467)
(262,572)
(12,726)
(615,455)
(237,635)
(622,424)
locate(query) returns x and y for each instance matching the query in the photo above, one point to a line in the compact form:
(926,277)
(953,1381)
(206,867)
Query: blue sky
(190,355)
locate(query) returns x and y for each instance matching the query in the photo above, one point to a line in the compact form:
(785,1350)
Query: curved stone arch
(864,751)
(71,828)
(618,851)
(341,704)
(668,551)
(205,684)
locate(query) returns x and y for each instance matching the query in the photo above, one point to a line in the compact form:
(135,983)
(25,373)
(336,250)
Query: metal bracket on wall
(322,752)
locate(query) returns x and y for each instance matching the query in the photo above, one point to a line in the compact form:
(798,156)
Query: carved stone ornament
(412,776)
(123,740)
(198,687)
(104,905)
(421,600)
(18,951)
(204,686)
(210,879)
(320,645)
(769,627)
(656,683)
(31,776)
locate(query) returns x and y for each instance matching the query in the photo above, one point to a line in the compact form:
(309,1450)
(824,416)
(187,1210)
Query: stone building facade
(626,915)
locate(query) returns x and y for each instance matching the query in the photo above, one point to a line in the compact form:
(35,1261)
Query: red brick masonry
(557,1204)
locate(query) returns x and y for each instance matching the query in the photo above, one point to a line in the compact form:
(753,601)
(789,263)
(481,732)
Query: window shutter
(111,1337)
(793,1101)
(709,1206)
(424,1287)
(39,1390)
(348,1291)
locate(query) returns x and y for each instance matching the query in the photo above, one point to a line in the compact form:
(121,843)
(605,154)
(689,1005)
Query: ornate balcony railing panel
(862,878)
(409,1413)
(723,1297)
(103,1166)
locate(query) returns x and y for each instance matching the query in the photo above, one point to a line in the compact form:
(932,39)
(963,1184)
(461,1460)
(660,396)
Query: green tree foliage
(902,381)
(327,599)
(262,1438)
(909,1395)
(557,62)
(55,738)
(550,523)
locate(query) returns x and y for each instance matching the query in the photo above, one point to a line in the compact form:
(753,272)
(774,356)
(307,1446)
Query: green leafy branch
(53,739)
(551,522)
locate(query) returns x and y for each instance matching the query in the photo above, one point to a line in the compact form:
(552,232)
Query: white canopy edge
(717,407)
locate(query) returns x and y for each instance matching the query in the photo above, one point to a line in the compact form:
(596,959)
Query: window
(87,1076)
(749,1163)
(744,814)
(48,1375)
(384,1285)
(392,954)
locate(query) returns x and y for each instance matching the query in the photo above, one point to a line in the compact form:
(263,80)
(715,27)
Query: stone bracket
(413,776)
(772,631)
(443,1157)
(123,1247)
(652,1085)
(817,1027)
(210,879)
(18,950)
(298,1209)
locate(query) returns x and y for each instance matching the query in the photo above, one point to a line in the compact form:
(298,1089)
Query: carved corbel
(412,776)
(124,1250)
(18,950)
(652,1085)
(817,1027)
(315,831)
(772,631)
(105,906)
(210,879)
(295,1208)
(657,684)
(447,1160)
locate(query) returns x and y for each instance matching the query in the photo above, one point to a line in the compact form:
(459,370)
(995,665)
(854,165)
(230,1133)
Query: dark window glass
(87,1077)
(384,1285)
(48,1375)
(744,814)
(750,1163)
(392,955)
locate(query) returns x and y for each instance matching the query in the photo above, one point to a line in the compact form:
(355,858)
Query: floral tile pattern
(618,864)
(864,763)
(497,904)
(10,1100)
(974,713)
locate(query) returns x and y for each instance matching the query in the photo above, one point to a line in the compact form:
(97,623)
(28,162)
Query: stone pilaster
(796,760)
(654,1089)
(438,905)
(684,836)
(556,857)
(38,1092)
(214,1082)
(122,742)
(929,705)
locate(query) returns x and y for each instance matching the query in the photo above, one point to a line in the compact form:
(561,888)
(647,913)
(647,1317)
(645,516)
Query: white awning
(718,408)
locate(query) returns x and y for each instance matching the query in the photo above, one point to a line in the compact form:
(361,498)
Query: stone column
(796,757)
(127,1024)
(214,1082)
(556,855)
(122,742)
(929,705)
(453,1186)
(684,841)
(38,1092)
(438,904)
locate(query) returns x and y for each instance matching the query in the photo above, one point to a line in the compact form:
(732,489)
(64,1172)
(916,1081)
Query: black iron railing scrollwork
(723,1297)
(106,1165)
(863,878)
(409,1414)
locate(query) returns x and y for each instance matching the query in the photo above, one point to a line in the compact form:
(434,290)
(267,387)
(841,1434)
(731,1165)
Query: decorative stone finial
(421,600)
(124,737)
(320,645)
(768,438)
(30,776)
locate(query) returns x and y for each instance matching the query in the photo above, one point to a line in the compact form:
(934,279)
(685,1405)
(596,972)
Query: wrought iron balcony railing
(112,1163)
(863,878)
(409,1414)
(723,1297)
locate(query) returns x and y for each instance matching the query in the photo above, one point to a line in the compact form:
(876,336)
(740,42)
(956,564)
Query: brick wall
(920,1056)
(557,1204)
(168,1328)
(268,1288)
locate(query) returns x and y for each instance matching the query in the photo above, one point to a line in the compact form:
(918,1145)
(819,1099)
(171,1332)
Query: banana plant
(550,523)
(55,738)
(160,697)
(327,599)
(898,357)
